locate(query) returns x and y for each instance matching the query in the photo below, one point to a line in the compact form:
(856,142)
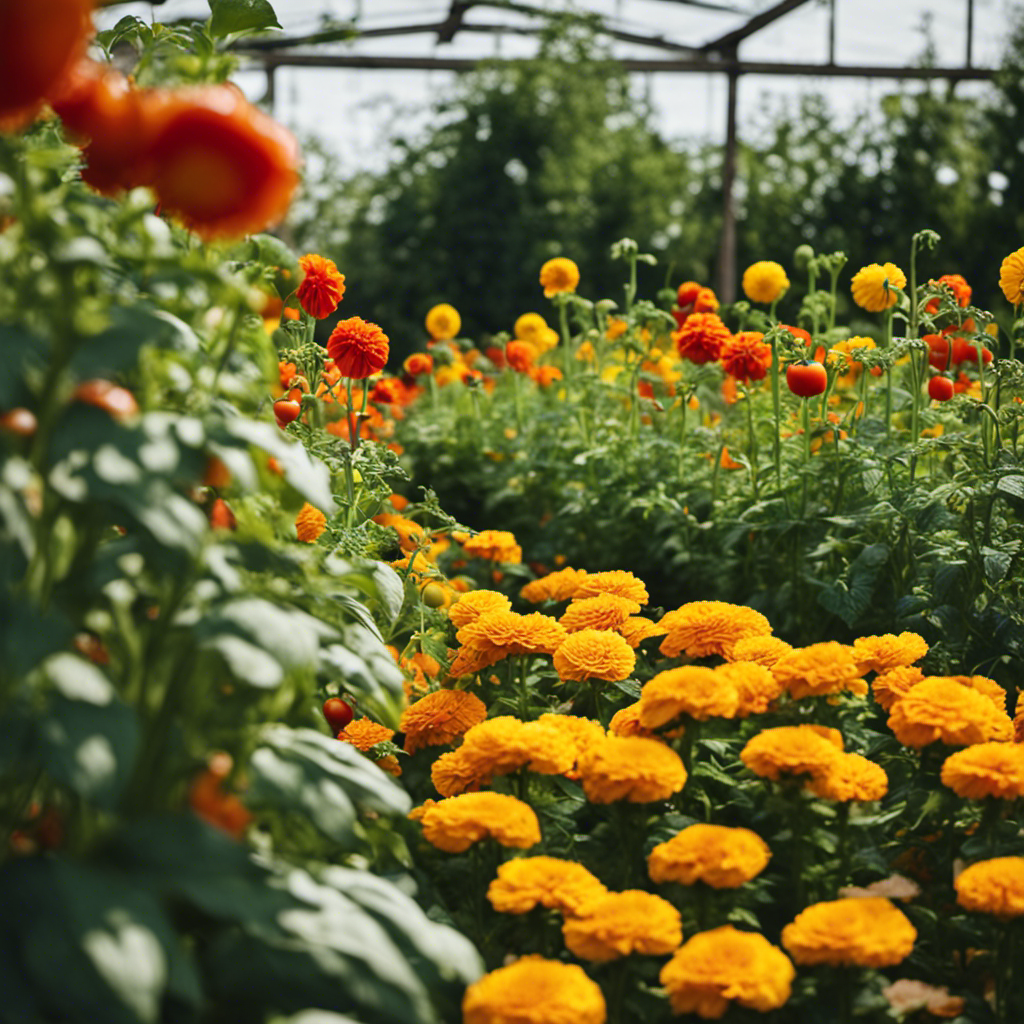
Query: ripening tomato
(965,351)
(938,350)
(18,421)
(285,411)
(806,379)
(940,389)
(338,713)
(118,402)
(221,516)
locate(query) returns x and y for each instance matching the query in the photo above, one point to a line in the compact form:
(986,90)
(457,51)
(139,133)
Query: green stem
(777,411)
(807,453)
(888,374)
(751,439)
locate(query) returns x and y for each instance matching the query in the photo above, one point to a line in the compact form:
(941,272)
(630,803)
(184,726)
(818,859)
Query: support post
(832,31)
(271,94)
(727,246)
(970,31)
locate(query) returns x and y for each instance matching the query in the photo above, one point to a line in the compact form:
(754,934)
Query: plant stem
(776,410)
(751,440)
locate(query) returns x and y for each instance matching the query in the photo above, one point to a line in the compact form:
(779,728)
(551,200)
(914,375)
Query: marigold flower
(545,376)
(534,991)
(983,685)
(791,750)
(701,337)
(872,286)
(439,717)
(443,322)
(616,581)
(986,770)
(557,884)
(993,886)
(958,285)
(906,996)
(881,653)
(697,692)
(454,824)
(309,524)
(636,629)
(520,356)
(364,733)
(581,731)
(503,634)
(556,586)
(418,364)
(1011,277)
(471,605)
(495,546)
(724,858)
(820,669)
(630,768)
(410,534)
(765,282)
(755,685)
(764,650)
(606,611)
(626,722)
(846,349)
(1018,719)
(746,356)
(890,686)
(943,709)
(213,803)
(850,933)
(453,773)
(559,275)
(594,654)
(851,777)
(322,286)
(359,349)
(701,628)
(722,966)
(529,327)
(621,923)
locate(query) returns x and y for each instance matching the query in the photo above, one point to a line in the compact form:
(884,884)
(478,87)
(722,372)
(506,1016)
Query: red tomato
(964,351)
(18,421)
(285,411)
(940,389)
(938,350)
(338,713)
(806,379)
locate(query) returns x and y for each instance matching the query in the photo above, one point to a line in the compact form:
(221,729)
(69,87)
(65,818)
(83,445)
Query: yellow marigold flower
(529,327)
(755,685)
(389,764)
(764,281)
(439,717)
(697,692)
(820,669)
(626,722)
(1011,277)
(986,769)
(364,733)
(583,731)
(616,581)
(557,884)
(534,991)
(723,966)
(765,650)
(309,524)
(606,611)
(983,685)
(724,858)
(504,744)
(943,709)
(790,750)
(471,605)
(885,652)
(469,661)
(847,348)
(872,286)
(559,275)
(494,545)
(594,654)
(636,629)
(993,886)
(701,628)
(410,534)
(630,768)
(443,322)
(850,933)
(621,923)
(888,687)
(498,635)
(453,825)
(548,749)
(453,773)
(1018,719)
(556,586)
(851,777)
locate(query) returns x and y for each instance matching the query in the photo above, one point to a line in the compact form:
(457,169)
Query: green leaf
(367,668)
(1012,485)
(241,16)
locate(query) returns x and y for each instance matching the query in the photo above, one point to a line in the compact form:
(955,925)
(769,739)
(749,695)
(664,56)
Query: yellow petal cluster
(851,777)
(885,652)
(630,768)
(443,322)
(819,670)
(890,686)
(850,933)
(636,629)
(559,275)
(453,825)
(694,691)
(1011,277)
(556,586)
(606,611)
(527,882)
(439,717)
(724,858)
(594,654)
(986,770)
(993,886)
(494,546)
(615,581)
(470,606)
(791,750)
(765,650)
(497,635)
(872,286)
(701,628)
(943,709)
(764,281)
(755,685)
(621,923)
(309,524)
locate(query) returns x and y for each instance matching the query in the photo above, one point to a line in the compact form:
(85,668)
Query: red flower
(359,349)
(520,355)
(965,351)
(322,288)
(938,350)
(746,356)
(961,291)
(701,338)
(418,363)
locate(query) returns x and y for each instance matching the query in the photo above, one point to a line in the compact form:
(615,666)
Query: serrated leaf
(241,16)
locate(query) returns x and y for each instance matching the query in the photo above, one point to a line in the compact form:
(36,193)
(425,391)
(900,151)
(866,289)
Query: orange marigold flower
(322,286)
(582,731)
(309,524)
(520,355)
(527,882)
(359,349)
(365,733)
(471,605)
(851,777)
(701,628)
(594,654)
(443,322)
(724,858)
(606,611)
(993,886)
(755,685)
(872,286)
(418,364)
(636,629)
(1018,719)
(699,693)
(534,991)
(389,764)
(626,722)
(495,546)
(621,923)
(723,966)
(958,285)
(983,685)
(820,669)
(765,650)
(888,687)
(701,337)
(616,581)
(439,717)
(453,774)
(943,709)
(881,653)
(505,744)
(545,376)
(986,770)
(508,633)
(850,933)
(630,768)
(791,750)
(556,586)
(559,275)
(1011,277)
(455,824)
(410,534)
(746,356)
(764,281)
